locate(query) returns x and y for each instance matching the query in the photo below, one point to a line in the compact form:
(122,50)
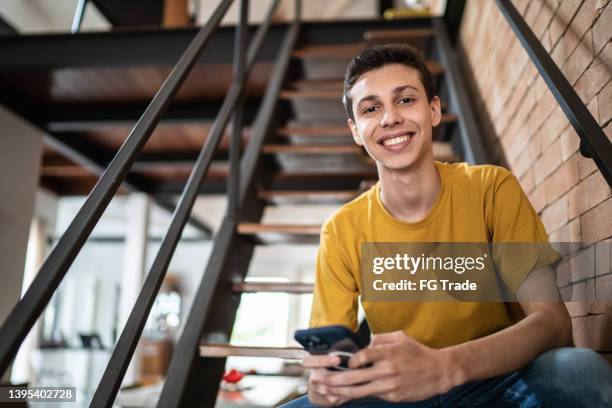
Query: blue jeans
(559,378)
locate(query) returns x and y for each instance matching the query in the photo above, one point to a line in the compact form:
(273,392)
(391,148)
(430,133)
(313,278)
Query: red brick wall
(526,130)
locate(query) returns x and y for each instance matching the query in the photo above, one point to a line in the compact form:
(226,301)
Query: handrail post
(235,147)
(593,141)
(79,13)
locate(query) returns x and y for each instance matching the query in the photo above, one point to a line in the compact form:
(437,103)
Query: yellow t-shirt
(475,204)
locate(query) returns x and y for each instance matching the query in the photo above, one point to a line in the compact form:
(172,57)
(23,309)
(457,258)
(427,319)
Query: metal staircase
(299,151)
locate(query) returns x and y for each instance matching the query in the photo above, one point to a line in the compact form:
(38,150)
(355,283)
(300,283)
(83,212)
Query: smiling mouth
(397,140)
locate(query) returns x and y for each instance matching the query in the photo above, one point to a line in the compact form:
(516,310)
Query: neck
(409,194)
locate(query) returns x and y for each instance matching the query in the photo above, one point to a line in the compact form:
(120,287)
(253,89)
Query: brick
(542,22)
(592,80)
(584,18)
(603,259)
(579,59)
(582,265)
(593,108)
(563,16)
(588,194)
(537,197)
(586,166)
(548,161)
(576,309)
(605,107)
(601,29)
(570,141)
(574,230)
(600,307)
(603,288)
(553,127)
(545,106)
(597,223)
(564,274)
(562,180)
(525,159)
(527,181)
(533,12)
(594,332)
(555,215)
(560,235)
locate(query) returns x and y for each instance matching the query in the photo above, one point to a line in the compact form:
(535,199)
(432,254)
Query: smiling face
(393,117)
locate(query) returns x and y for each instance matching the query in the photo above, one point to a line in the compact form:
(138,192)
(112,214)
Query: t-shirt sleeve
(335,291)
(520,242)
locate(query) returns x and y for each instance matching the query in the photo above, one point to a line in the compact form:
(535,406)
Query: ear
(354,132)
(436,111)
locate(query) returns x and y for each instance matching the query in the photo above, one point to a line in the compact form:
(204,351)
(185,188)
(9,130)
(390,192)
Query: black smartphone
(335,340)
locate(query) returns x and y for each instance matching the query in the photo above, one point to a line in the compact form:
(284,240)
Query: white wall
(311,10)
(40,16)
(20,154)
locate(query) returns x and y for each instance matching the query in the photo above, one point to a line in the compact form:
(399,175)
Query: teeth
(395,140)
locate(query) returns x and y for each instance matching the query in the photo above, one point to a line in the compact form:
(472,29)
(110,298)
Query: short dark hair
(379,56)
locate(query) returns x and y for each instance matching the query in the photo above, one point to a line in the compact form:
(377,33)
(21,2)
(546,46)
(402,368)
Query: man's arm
(547,325)
(405,370)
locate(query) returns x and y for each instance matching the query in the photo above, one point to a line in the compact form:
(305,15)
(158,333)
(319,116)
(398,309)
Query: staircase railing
(593,141)
(28,309)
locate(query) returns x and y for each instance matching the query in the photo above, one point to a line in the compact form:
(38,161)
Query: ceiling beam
(156,47)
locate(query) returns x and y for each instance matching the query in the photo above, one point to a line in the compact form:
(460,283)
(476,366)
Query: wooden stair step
(224,350)
(312,148)
(442,151)
(298,229)
(336,130)
(272,287)
(398,34)
(342,195)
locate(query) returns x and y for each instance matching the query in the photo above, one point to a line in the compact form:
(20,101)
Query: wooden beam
(175,14)
(272,287)
(220,351)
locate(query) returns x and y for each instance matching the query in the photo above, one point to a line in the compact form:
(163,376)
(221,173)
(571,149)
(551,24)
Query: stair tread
(262,228)
(343,194)
(378,35)
(226,350)
(336,130)
(280,287)
(312,148)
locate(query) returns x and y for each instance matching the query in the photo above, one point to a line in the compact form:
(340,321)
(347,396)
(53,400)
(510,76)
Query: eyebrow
(396,90)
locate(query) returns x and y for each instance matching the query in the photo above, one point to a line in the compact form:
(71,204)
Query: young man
(427,354)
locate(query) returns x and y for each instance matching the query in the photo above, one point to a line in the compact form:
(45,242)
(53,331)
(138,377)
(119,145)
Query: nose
(391,117)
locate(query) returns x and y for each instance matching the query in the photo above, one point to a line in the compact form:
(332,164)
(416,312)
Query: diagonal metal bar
(186,351)
(79,13)
(593,141)
(473,148)
(233,181)
(85,158)
(25,313)
(120,359)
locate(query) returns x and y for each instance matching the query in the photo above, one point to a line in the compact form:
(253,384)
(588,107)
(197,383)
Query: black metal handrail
(593,141)
(120,359)
(187,347)
(26,312)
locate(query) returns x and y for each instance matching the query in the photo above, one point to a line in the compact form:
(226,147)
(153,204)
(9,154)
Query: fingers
(367,356)
(358,376)
(386,338)
(364,390)
(320,361)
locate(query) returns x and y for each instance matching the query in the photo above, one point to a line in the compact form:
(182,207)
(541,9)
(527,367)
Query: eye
(406,99)
(370,109)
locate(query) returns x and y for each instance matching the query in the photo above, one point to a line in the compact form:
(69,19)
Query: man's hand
(319,392)
(402,370)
